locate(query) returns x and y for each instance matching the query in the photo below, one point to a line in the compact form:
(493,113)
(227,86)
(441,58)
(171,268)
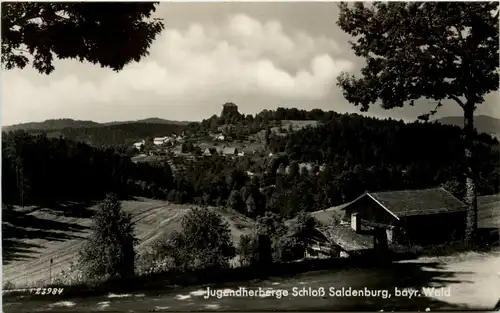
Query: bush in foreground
(109,251)
(203,243)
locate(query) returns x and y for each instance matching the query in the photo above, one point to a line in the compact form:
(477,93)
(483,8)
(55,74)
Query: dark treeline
(41,170)
(314,168)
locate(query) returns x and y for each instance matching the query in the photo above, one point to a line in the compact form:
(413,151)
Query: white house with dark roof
(160,140)
(228,151)
(140,144)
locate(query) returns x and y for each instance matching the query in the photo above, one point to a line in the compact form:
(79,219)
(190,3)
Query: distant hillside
(51,125)
(483,123)
(152,120)
(57,124)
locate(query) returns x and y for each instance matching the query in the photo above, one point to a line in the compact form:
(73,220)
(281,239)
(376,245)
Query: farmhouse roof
(346,238)
(229,151)
(404,203)
(210,150)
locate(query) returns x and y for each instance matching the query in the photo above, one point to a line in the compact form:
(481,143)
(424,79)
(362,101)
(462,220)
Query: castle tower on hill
(229,109)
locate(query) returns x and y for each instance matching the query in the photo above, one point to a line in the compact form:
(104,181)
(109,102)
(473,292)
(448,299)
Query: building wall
(431,229)
(369,210)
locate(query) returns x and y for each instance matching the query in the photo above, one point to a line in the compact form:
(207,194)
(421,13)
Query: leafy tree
(284,249)
(433,50)
(109,251)
(248,250)
(235,201)
(272,240)
(293,170)
(204,242)
(304,227)
(105,33)
(305,222)
(251,206)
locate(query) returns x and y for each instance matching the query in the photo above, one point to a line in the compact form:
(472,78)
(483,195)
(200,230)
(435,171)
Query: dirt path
(476,281)
(471,279)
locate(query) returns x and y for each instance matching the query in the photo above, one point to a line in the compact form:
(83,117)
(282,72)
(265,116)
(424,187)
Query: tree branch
(460,102)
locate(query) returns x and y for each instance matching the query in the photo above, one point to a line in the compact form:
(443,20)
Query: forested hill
(53,124)
(57,124)
(111,135)
(483,123)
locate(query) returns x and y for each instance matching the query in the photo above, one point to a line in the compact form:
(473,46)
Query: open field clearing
(470,279)
(285,124)
(296,124)
(45,234)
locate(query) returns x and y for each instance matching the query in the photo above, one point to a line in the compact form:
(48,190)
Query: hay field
(47,234)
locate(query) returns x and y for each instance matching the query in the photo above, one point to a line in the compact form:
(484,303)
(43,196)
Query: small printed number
(47,291)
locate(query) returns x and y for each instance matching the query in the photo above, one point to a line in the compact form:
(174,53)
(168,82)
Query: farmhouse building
(320,244)
(374,221)
(160,140)
(139,145)
(229,151)
(408,217)
(219,137)
(209,151)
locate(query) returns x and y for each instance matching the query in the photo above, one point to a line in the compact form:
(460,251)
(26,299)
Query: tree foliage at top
(434,50)
(109,251)
(111,34)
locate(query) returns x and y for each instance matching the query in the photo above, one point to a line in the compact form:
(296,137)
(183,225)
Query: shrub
(204,242)
(151,262)
(71,276)
(247,250)
(8,285)
(109,251)
(269,243)
(285,249)
(303,228)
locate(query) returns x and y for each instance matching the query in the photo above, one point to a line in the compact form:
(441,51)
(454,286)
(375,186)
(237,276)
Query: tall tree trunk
(470,181)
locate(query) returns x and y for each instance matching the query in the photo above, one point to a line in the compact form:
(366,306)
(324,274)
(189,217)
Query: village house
(140,144)
(229,151)
(320,245)
(158,141)
(219,137)
(209,152)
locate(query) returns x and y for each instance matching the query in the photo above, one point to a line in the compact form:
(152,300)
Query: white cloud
(241,56)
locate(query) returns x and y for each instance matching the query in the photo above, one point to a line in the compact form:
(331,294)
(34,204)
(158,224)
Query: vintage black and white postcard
(250,156)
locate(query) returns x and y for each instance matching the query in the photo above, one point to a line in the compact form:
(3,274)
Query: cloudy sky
(257,55)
